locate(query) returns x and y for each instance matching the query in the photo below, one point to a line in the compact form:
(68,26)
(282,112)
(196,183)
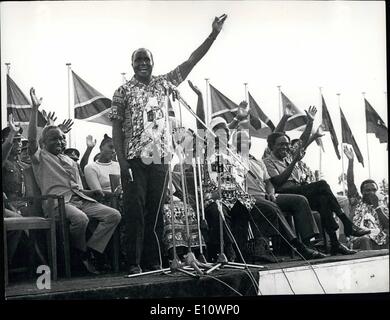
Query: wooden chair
(34,223)
(62,224)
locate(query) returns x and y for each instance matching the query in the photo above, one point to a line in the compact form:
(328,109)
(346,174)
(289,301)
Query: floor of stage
(221,283)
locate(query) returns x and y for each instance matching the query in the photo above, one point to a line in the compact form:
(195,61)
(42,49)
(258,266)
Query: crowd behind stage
(258,196)
(270,204)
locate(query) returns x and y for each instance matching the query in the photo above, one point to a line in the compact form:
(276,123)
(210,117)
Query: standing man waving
(139,115)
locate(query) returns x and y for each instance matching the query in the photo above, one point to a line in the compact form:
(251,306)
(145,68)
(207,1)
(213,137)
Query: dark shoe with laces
(356,231)
(340,248)
(134,269)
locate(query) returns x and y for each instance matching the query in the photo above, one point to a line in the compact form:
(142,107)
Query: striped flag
(347,137)
(256,111)
(222,106)
(327,125)
(375,124)
(298,119)
(19,106)
(89,104)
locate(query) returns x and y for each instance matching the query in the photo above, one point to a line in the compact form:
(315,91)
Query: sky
(301,46)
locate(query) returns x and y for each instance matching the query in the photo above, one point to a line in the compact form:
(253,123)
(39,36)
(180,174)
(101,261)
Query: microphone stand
(221,260)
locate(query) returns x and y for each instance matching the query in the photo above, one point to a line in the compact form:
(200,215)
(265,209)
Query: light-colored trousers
(79,212)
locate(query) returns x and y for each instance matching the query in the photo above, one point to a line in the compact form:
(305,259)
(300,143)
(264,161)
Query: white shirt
(97,174)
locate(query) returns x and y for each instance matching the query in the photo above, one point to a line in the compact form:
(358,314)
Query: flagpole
(8,65)
(69,103)
(246,91)
(207,115)
(320,169)
(342,150)
(280,108)
(368,148)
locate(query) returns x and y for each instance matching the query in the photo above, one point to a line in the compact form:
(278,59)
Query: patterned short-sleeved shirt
(364,215)
(142,110)
(232,188)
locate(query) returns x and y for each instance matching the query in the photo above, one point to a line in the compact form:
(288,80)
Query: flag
(347,137)
(258,113)
(375,124)
(19,106)
(298,119)
(222,106)
(327,125)
(89,104)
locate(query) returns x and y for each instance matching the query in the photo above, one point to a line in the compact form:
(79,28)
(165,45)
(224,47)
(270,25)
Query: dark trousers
(143,200)
(298,206)
(321,199)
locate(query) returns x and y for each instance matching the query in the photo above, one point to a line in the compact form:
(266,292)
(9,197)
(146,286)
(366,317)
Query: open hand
(218,23)
(66,126)
(194,88)
(90,141)
(311,113)
(50,118)
(15,128)
(349,153)
(35,101)
(319,133)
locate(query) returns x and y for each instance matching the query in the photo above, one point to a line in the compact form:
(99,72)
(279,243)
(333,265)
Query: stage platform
(366,271)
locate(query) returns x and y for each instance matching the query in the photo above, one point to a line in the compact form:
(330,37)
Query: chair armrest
(42,197)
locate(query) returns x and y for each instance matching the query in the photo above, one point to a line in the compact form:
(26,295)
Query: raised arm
(282,123)
(32,127)
(352,190)
(199,107)
(241,118)
(6,147)
(90,145)
(314,136)
(310,115)
(198,54)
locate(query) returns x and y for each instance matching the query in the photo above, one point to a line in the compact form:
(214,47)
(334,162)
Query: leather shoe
(309,254)
(357,231)
(340,248)
(89,266)
(134,269)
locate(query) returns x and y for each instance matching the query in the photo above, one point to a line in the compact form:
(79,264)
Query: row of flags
(91,105)
(261,125)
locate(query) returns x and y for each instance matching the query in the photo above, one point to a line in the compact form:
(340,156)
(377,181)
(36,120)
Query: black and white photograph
(194,149)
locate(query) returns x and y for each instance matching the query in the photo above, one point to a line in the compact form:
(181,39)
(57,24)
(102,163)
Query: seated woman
(97,174)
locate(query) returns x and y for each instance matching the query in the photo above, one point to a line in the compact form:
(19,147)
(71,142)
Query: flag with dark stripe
(19,106)
(256,111)
(375,124)
(222,106)
(347,137)
(298,119)
(89,104)
(327,125)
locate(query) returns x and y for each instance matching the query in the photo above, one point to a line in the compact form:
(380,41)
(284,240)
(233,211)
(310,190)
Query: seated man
(286,178)
(260,187)
(58,174)
(366,211)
